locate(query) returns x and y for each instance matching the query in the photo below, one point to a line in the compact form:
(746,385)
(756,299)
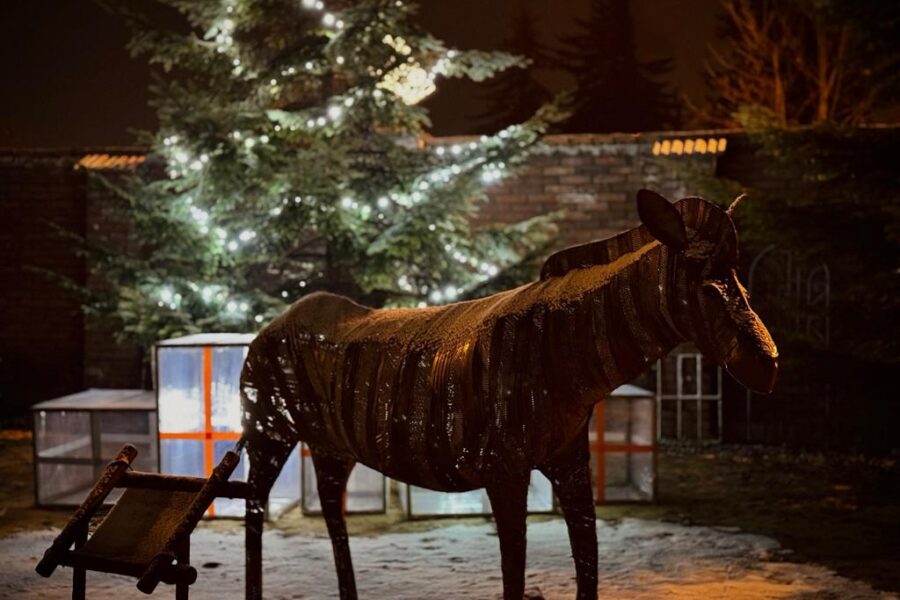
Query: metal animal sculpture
(477,394)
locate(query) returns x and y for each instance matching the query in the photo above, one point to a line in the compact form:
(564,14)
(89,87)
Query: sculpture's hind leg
(570,473)
(331,475)
(267,456)
(509,504)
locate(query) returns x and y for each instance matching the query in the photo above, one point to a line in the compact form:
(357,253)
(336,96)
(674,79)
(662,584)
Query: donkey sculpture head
(709,306)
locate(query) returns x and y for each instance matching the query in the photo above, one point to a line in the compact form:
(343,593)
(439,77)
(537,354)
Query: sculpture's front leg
(570,473)
(509,503)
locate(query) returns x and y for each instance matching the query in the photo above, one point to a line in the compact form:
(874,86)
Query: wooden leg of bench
(79,574)
(183,557)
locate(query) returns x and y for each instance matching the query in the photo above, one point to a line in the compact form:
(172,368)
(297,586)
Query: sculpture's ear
(662,219)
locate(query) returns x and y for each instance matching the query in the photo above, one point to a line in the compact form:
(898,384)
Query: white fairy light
(321,121)
(181,156)
(275,211)
(284,294)
(310,4)
(204,158)
(455,149)
(200,215)
(440,150)
(247,235)
(264,139)
(436,296)
(346,202)
(258,318)
(231,306)
(232,245)
(335,112)
(451,292)
(243,306)
(383,202)
(166,294)
(328,20)
(432,227)
(236,134)
(340,60)
(310,123)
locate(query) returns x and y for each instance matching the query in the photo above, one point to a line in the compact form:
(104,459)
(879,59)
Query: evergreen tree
(516,94)
(614,90)
(289,144)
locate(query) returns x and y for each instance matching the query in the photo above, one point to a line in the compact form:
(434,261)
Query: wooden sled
(146,534)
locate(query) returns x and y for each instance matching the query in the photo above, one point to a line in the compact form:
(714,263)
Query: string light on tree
(260,168)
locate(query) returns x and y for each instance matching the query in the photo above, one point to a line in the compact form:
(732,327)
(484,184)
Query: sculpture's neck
(631,325)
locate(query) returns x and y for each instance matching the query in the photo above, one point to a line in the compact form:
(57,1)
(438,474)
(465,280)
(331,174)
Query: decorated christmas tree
(291,157)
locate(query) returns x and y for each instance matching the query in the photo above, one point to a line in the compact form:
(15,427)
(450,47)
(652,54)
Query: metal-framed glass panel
(623,448)
(75,436)
(198,390)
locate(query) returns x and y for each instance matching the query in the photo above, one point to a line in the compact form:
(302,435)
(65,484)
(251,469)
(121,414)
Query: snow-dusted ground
(638,560)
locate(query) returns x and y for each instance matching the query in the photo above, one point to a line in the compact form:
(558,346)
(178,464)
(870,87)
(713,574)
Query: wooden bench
(146,534)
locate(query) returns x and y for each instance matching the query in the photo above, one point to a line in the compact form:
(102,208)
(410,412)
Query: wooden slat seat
(139,525)
(147,532)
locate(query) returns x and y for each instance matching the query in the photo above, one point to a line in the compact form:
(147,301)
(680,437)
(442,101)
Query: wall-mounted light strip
(103,162)
(689,146)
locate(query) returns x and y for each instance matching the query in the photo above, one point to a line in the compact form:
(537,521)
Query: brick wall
(41,329)
(107,363)
(592,180)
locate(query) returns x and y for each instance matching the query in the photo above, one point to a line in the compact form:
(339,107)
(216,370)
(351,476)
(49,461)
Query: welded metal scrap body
(455,397)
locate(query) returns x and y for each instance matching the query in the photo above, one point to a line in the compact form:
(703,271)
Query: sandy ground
(639,559)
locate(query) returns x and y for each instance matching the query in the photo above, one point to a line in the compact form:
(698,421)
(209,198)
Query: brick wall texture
(41,328)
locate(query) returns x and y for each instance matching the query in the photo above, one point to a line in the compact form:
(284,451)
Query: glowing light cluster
(689,146)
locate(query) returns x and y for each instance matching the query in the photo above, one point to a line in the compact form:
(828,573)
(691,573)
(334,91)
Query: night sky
(69,82)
